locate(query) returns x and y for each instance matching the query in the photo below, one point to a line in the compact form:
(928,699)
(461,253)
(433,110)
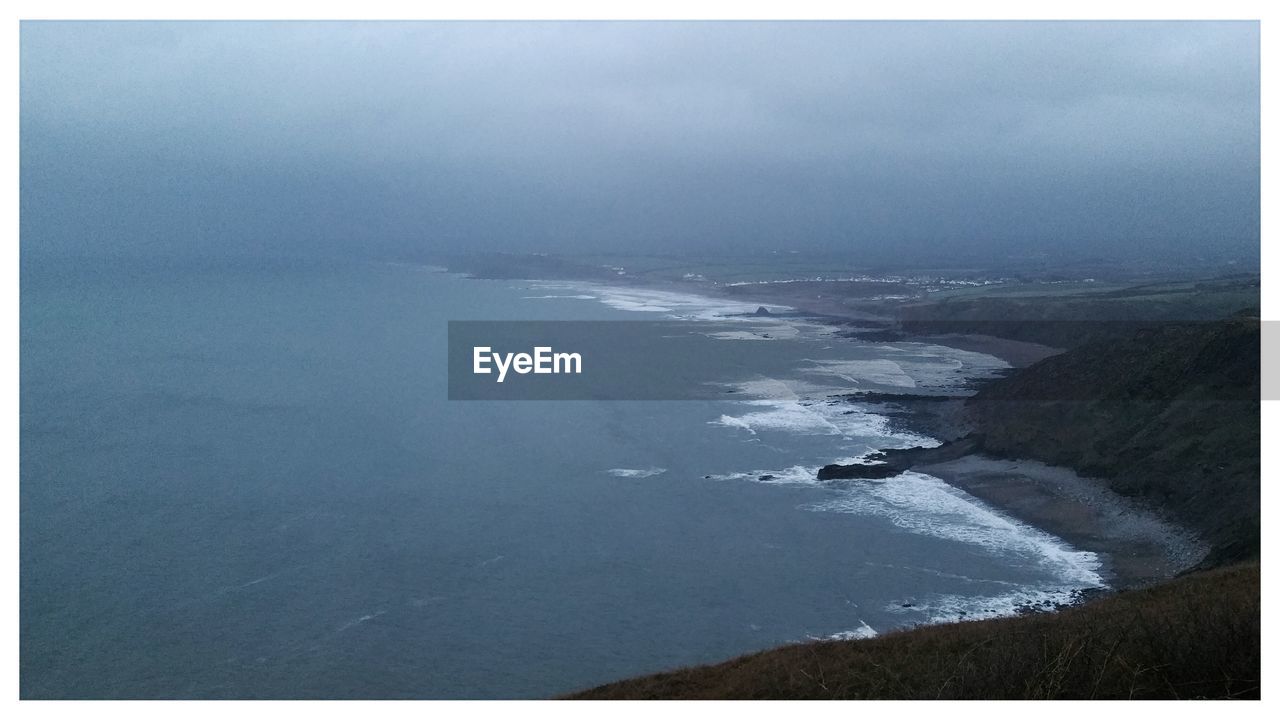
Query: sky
(871,139)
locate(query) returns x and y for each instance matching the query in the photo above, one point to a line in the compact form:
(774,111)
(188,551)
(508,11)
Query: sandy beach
(1137,546)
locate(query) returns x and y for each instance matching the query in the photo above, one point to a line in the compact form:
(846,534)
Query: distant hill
(1194,637)
(1073,314)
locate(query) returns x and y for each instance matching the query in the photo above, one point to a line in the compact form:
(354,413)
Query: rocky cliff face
(1168,413)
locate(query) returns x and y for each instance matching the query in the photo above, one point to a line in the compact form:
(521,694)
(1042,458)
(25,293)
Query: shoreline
(1017,353)
(1136,546)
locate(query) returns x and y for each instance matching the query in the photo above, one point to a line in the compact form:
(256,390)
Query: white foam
(926,505)
(862,632)
(636,472)
(794,475)
(767,388)
(679,305)
(361,620)
(780,415)
(734,422)
(737,335)
(960,608)
(778,331)
(800,407)
(803,408)
(858,372)
(920,366)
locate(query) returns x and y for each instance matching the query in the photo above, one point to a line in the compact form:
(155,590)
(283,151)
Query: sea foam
(636,472)
(926,505)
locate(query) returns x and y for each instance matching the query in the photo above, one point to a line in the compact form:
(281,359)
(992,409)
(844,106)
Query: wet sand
(1137,546)
(1017,353)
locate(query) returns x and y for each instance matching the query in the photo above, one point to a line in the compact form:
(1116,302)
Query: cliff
(1169,414)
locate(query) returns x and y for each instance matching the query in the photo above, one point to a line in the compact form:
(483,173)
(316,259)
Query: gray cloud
(874,138)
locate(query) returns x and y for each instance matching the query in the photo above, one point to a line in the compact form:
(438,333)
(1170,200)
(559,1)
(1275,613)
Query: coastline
(1135,545)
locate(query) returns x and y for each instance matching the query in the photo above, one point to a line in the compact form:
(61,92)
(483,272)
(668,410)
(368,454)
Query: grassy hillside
(1169,414)
(1194,637)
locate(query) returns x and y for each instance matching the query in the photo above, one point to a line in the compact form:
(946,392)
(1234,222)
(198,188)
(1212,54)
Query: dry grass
(1194,637)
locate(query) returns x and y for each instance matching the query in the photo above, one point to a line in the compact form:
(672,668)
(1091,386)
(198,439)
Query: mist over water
(245,480)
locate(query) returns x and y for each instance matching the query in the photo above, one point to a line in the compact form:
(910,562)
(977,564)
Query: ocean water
(242,480)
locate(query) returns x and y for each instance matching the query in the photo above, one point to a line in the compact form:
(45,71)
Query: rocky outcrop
(888,463)
(857,471)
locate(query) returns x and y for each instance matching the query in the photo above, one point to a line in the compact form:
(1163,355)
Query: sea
(246,479)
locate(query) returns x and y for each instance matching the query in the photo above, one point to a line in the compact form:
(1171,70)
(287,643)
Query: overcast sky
(882,139)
